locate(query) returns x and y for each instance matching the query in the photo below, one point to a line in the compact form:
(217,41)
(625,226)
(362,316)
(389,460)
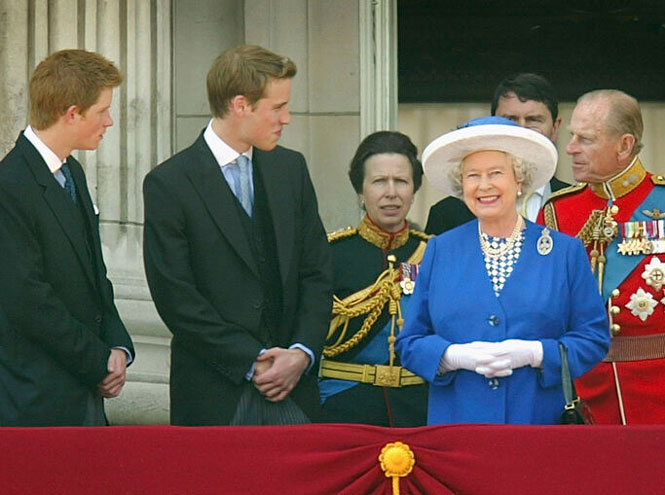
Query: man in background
(63,348)
(528,100)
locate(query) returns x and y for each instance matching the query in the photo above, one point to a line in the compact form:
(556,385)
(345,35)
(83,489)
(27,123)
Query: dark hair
(384,142)
(528,86)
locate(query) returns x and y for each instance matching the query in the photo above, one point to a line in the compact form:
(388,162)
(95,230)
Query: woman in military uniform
(375,271)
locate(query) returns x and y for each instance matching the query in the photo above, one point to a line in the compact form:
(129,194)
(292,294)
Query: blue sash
(375,352)
(622,266)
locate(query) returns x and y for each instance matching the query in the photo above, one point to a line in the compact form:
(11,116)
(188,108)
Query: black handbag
(576,411)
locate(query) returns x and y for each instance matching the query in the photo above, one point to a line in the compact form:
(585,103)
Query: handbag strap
(567,383)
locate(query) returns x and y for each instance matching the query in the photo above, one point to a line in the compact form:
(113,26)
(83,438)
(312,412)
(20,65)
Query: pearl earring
(519,193)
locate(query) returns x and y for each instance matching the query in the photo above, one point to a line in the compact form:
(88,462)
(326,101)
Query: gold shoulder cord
(598,231)
(422,235)
(369,301)
(341,234)
(550,217)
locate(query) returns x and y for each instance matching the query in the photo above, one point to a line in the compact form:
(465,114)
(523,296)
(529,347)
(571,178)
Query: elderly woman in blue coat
(497,295)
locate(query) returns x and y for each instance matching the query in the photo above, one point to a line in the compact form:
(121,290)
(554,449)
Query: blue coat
(552,298)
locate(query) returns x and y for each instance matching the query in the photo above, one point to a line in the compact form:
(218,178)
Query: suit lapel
(280,205)
(59,203)
(209,182)
(88,209)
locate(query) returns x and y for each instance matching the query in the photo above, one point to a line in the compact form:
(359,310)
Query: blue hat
(489,133)
(488,120)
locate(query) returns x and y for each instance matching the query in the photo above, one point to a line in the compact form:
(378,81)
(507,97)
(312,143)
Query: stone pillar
(323,38)
(136,35)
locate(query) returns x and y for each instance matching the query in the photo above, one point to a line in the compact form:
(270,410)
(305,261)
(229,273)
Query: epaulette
(658,180)
(422,235)
(341,234)
(566,191)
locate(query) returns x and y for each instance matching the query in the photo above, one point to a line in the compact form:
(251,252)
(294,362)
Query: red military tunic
(639,306)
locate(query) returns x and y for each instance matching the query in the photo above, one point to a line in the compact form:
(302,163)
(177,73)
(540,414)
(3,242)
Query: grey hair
(623,116)
(523,170)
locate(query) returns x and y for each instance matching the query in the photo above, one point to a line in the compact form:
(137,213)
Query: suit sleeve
(314,274)
(186,311)
(32,306)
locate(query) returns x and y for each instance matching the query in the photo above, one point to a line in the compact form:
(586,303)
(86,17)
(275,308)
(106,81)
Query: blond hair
(66,78)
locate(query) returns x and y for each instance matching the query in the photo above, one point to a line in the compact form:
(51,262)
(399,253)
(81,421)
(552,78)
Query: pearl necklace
(493,252)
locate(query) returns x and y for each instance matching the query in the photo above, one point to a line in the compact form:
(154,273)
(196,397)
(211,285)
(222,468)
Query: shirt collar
(52,161)
(223,153)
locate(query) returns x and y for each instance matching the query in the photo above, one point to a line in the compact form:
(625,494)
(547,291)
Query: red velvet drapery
(331,460)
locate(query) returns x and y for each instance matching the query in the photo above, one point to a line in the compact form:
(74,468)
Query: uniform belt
(640,348)
(379,375)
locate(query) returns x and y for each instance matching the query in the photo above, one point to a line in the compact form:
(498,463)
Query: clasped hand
(493,359)
(277,371)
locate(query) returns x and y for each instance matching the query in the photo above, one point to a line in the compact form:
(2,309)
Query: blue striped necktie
(69,185)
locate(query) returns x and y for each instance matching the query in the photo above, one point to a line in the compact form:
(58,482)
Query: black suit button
(257,304)
(98,319)
(493,320)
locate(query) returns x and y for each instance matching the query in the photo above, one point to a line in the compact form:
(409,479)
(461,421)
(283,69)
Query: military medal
(643,237)
(545,243)
(408,282)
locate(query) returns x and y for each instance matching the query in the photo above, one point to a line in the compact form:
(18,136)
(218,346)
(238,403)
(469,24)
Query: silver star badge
(654,273)
(641,304)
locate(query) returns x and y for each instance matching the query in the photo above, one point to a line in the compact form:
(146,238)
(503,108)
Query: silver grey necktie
(245,191)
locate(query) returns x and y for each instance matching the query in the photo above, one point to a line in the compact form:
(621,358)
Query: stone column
(323,38)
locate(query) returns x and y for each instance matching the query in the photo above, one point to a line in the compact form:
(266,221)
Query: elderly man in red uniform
(618,211)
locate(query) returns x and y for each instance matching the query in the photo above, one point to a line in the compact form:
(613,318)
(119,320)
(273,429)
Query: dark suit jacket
(60,319)
(451,212)
(205,282)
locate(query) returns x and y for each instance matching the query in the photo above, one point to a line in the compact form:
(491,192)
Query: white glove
(480,357)
(516,353)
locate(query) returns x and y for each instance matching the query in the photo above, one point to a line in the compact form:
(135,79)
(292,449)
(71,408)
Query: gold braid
(370,301)
(372,307)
